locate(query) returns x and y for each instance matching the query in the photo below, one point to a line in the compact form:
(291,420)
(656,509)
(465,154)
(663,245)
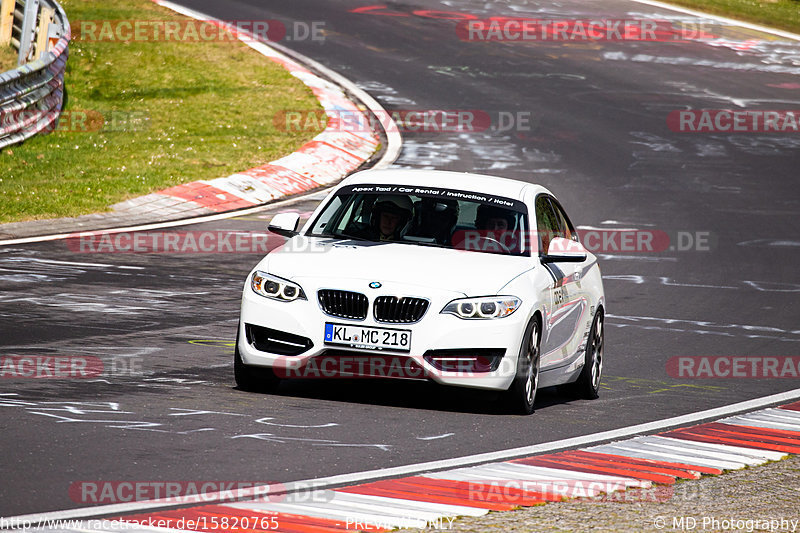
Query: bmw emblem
(375,285)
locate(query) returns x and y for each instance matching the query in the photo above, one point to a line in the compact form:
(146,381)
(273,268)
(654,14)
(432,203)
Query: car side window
(547,225)
(567,229)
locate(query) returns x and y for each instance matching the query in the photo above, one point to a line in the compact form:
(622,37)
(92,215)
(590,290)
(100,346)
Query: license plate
(368,338)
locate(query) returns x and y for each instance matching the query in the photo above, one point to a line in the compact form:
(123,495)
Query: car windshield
(421,216)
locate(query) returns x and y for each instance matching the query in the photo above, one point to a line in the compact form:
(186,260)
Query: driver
(391,215)
(496,226)
(496,219)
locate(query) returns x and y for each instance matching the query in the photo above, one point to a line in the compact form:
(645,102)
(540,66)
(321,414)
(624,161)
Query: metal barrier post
(28,26)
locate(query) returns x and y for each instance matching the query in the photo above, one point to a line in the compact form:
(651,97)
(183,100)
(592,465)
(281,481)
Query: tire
(521,395)
(588,384)
(253,378)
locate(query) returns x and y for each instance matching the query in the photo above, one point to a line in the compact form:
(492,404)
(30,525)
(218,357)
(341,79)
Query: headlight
(485,307)
(275,287)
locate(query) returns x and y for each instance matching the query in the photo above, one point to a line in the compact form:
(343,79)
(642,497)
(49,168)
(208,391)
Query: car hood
(328,261)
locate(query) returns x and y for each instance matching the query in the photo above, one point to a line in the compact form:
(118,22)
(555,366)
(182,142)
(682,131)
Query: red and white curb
(430,499)
(325,159)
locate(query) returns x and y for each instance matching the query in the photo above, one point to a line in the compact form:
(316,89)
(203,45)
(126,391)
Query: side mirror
(284,224)
(563,250)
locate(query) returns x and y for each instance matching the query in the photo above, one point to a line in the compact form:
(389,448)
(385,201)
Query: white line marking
(645,258)
(592,228)
(368,475)
(618,223)
(72,263)
(436,437)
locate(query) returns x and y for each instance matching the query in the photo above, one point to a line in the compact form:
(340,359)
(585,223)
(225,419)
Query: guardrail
(32,94)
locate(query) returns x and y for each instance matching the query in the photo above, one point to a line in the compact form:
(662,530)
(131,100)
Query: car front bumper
(299,326)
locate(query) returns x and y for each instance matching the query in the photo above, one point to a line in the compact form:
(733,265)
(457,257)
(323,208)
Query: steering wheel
(502,246)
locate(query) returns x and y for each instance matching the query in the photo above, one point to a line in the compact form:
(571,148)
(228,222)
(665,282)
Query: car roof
(464,181)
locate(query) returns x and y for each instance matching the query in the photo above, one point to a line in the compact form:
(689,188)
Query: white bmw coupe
(464,279)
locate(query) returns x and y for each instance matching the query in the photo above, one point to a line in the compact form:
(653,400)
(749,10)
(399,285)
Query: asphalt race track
(164,324)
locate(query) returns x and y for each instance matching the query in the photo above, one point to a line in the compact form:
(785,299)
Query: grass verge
(143,115)
(780,14)
(8,58)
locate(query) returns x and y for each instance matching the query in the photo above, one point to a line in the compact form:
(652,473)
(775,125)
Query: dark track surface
(600,143)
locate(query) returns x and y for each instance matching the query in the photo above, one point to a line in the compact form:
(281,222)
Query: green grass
(8,58)
(173,112)
(781,14)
